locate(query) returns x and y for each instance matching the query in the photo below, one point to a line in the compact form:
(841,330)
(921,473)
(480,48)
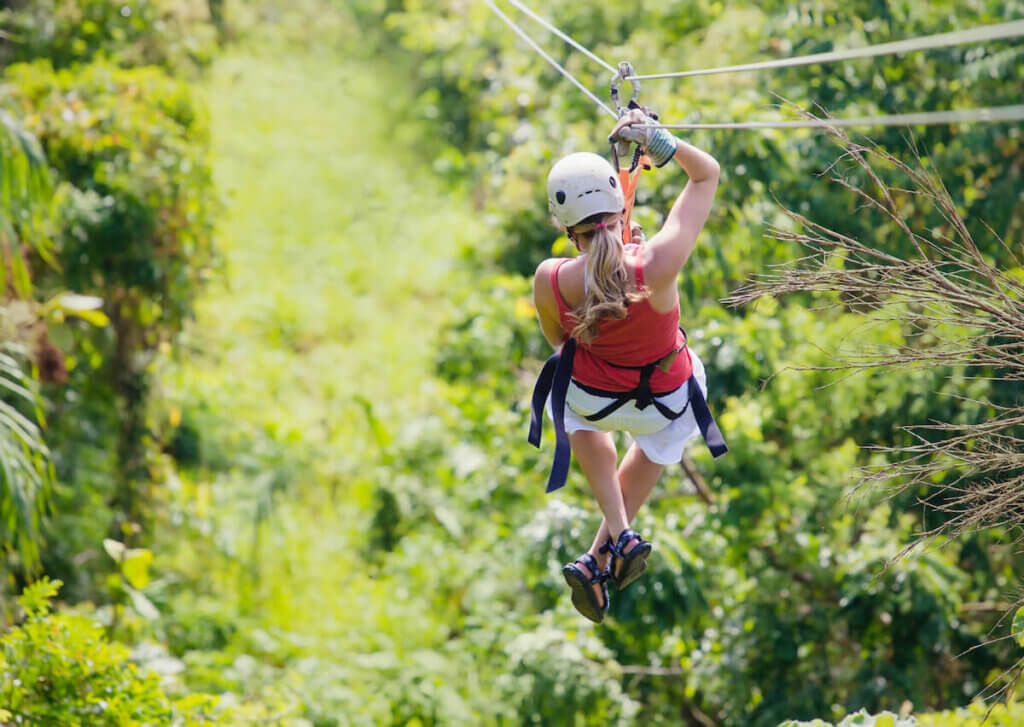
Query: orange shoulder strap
(629,183)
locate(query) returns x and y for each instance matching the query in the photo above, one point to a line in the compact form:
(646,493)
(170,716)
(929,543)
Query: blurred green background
(268,346)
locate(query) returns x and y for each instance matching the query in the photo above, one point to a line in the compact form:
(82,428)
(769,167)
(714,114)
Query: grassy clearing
(338,245)
(340,248)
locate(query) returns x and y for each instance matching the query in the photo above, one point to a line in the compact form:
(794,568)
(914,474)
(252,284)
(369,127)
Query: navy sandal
(626,567)
(583,597)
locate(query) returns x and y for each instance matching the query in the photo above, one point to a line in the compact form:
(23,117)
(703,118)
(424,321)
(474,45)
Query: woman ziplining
(622,362)
(615,302)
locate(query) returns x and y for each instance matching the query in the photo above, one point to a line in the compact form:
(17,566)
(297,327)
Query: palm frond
(26,475)
(26,194)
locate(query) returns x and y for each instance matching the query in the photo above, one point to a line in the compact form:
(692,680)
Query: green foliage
(885,719)
(129,146)
(507,115)
(133,223)
(357,534)
(1017,627)
(781,603)
(25,194)
(26,476)
(60,669)
(174,34)
(977,714)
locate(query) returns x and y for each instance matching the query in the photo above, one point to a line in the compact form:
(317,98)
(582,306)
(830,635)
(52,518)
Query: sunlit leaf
(136,566)
(143,605)
(115,549)
(96,317)
(73,302)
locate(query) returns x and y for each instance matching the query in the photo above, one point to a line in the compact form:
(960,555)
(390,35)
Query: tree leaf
(75,303)
(114,549)
(96,317)
(136,566)
(143,605)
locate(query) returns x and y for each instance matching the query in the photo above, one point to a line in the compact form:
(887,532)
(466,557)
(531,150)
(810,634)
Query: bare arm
(547,307)
(671,247)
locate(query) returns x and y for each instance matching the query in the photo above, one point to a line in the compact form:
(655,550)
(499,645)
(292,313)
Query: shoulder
(545,268)
(543,295)
(542,278)
(657,270)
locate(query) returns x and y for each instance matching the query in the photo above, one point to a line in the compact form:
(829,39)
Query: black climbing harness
(554,380)
(641,394)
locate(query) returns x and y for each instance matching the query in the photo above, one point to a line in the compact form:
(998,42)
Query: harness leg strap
(554,379)
(559,389)
(708,428)
(540,394)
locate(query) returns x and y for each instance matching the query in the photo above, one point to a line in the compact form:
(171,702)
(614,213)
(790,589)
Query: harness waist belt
(554,380)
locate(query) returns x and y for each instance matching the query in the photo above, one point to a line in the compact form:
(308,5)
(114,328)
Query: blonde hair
(606,294)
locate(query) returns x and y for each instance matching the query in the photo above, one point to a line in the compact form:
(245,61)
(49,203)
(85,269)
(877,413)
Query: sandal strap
(625,537)
(617,548)
(591,563)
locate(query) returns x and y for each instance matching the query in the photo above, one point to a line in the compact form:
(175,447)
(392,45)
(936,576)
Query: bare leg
(637,477)
(595,451)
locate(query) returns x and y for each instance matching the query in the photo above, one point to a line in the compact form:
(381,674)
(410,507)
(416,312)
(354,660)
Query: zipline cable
(999,31)
(923,118)
(529,41)
(984,115)
(561,35)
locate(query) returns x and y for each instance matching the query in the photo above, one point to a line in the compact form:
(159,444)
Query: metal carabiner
(621,149)
(625,71)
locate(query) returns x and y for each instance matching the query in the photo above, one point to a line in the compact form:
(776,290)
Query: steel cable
(561,35)
(923,118)
(999,31)
(992,114)
(530,41)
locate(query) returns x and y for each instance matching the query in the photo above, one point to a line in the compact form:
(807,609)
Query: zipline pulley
(628,178)
(625,71)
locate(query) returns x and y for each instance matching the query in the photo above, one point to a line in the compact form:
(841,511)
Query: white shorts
(661,440)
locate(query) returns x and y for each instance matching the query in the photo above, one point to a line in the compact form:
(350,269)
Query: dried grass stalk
(961,310)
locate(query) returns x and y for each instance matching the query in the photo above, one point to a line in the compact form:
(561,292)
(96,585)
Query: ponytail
(606,293)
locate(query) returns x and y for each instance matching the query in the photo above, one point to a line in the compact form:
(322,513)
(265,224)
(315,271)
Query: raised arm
(670,248)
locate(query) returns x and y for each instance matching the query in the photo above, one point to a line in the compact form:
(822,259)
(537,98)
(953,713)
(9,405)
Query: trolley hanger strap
(629,182)
(629,179)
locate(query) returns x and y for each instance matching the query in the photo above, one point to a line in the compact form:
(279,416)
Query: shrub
(58,668)
(130,146)
(130,32)
(134,219)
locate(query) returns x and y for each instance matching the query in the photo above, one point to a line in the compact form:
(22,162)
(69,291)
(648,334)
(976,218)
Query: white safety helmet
(581,185)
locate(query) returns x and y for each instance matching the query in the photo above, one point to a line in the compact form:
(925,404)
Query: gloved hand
(635,127)
(636,233)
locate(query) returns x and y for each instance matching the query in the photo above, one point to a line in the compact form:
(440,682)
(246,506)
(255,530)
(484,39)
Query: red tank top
(642,337)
